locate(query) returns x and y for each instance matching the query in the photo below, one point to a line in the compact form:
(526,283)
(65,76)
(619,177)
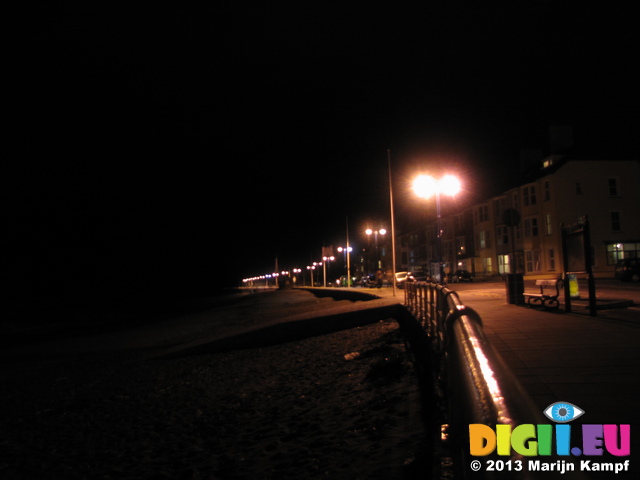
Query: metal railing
(475,384)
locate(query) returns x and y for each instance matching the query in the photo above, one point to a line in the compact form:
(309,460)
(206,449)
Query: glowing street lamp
(324,267)
(294,277)
(347,253)
(311,268)
(375,233)
(426,186)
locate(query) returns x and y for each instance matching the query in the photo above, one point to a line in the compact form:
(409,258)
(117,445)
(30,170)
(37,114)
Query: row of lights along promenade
(424,186)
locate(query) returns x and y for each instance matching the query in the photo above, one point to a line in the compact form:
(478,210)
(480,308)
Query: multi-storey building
(480,238)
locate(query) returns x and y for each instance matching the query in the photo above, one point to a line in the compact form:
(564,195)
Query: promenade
(592,362)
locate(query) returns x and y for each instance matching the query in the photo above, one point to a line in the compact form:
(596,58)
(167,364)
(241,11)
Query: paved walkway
(592,362)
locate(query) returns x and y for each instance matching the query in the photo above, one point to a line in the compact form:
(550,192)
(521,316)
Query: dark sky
(175,144)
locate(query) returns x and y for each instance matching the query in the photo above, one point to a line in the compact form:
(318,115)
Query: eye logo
(563,412)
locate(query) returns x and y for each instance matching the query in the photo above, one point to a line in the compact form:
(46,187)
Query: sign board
(575,253)
(576,247)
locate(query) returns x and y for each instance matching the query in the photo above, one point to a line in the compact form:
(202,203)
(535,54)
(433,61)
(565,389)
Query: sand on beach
(342,405)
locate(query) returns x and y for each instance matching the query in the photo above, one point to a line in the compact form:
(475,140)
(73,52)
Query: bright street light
(425,186)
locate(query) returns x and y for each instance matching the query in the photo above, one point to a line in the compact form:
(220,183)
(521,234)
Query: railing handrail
(478,386)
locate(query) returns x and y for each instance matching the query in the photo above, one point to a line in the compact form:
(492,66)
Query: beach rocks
(293,410)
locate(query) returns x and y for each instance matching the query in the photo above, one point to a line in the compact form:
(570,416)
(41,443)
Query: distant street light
(311,268)
(294,277)
(347,252)
(426,186)
(375,233)
(324,267)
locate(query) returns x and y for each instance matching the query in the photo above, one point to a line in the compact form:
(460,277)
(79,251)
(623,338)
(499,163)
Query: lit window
(619,251)
(548,225)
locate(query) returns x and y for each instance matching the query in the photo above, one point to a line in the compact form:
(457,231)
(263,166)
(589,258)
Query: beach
(111,404)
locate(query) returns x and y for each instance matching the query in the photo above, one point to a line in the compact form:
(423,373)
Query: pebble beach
(110,404)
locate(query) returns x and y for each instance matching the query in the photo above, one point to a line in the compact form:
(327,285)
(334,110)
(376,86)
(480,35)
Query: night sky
(177,148)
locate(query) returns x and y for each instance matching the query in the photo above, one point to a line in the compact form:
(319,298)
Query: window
(578,188)
(615,222)
(483,213)
(552,259)
(487,265)
(502,235)
(530,227)
(503,264)
(484,240)
(613,187)
(547,191)
(529,196)
(620,251)
(532,261)
(548,224)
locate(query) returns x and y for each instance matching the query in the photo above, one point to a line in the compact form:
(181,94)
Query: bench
(546,300)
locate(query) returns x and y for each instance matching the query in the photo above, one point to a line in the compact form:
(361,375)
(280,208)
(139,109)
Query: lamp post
(311,268)
(382,231)
(294,277)
(324,268)
(347,251)
(393,228)
(425,186)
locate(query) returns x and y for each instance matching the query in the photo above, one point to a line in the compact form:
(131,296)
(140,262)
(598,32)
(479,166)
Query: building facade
(485,237)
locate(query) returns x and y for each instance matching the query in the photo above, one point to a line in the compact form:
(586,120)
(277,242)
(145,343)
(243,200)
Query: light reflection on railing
(477,385)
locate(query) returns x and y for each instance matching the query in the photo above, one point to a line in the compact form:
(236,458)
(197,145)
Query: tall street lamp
(324,267)
(294,277)
(425,186)
(347,251)
(383,232)
(311,268)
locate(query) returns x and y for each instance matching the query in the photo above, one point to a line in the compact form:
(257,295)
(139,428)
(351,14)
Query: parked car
(417,277)
(401,277)
(628,269)
(461,276)
(372,281)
